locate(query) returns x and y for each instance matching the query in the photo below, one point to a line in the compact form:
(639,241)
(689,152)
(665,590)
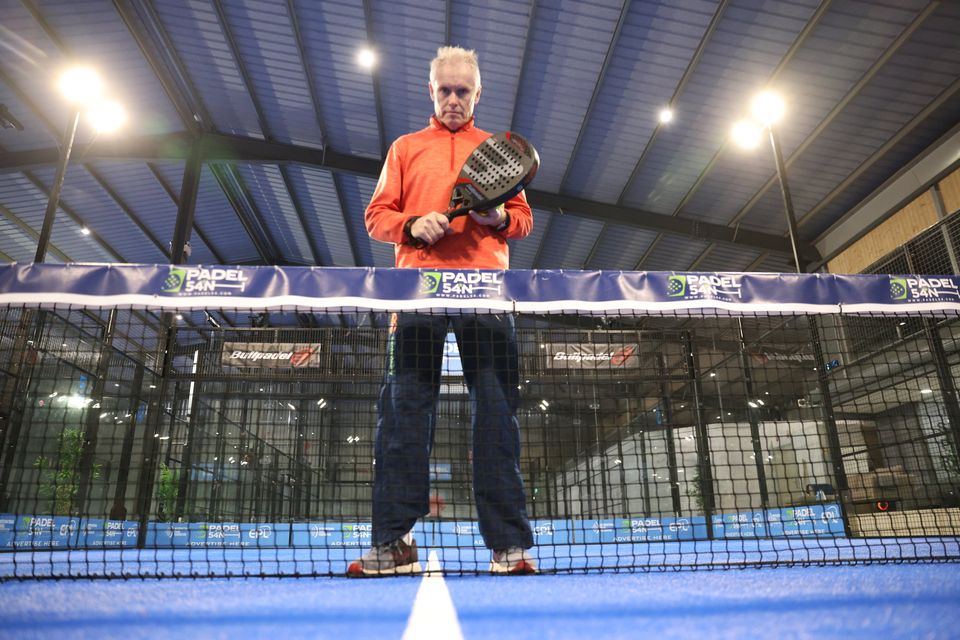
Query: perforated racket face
(496,170)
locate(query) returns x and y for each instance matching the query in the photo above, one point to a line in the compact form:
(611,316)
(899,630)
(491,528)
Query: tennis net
(214,421)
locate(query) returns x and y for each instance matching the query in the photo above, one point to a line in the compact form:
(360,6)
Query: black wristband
(503,225)
(406,230)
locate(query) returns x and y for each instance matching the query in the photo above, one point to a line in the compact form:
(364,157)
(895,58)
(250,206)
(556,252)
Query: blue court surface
(858,601)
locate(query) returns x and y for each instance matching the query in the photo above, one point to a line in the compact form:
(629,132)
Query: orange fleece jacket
(417,178)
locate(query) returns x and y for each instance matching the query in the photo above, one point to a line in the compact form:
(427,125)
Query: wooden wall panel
(892,233)
(950,190)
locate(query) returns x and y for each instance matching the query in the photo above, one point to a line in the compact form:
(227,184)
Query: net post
(119,509)
(149,457)
(193,405)
(92,427)
(704,467)
(830,423)
(671,442)
(752,417)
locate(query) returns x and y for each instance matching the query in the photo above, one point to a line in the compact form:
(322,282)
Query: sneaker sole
(522,568)
(404,569)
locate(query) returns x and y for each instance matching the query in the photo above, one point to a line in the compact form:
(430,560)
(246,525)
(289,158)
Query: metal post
(119,509)
(91,432)
(752,417)
(54,200)
(11,404)
(833,439)
(785,192)
(167,334)
(704,466)
(668,430)
(188,204)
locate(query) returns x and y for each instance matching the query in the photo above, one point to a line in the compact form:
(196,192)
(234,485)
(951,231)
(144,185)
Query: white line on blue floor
(433,615)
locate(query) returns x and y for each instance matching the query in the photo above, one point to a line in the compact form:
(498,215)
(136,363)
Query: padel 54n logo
(918,289)
(701,286)
(461,284)
(198,280)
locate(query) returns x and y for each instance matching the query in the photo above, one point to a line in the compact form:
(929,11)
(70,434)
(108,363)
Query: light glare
(666,115)
(367,58)
(767,107)
(746,134)
(80,85)
(108,116)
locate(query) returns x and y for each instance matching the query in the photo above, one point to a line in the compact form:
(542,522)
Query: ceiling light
(80,85)
(367,58)
(767,107)
(666,115)
(85,231)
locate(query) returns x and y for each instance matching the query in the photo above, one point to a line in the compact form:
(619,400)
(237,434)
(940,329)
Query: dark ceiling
(261,106)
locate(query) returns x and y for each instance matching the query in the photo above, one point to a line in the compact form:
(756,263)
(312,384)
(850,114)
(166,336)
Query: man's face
(454,92)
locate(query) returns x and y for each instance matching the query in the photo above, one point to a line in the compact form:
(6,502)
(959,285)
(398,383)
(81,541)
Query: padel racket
(498,169)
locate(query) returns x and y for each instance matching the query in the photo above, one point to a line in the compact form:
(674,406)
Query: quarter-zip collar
(439,127)
(436,124)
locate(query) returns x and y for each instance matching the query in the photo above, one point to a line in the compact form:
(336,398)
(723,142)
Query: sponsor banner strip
(52,532)
(183,288)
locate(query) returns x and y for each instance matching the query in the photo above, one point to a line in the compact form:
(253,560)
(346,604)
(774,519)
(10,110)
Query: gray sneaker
(389,559)
(514,561)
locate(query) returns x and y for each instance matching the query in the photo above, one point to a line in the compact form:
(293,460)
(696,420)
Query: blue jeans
(407,419)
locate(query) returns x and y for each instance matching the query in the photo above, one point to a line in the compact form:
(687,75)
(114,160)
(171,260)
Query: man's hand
(430,227)
(492,218)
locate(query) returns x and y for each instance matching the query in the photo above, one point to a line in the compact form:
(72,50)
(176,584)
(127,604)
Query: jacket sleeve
(521,217)
(383,218)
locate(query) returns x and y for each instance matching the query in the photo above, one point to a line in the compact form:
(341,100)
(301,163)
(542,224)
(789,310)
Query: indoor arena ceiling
(287,131)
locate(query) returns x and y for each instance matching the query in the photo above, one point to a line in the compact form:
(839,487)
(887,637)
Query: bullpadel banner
(545,291)
(270,355)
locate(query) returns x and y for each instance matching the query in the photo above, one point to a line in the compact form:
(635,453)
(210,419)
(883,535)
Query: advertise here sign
(270,355)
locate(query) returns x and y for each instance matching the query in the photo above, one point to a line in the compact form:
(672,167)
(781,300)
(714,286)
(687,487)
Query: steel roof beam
(321,123)
(267,133)
(225,148)
(171,84)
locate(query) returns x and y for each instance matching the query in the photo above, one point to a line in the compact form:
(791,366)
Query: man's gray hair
(455,54)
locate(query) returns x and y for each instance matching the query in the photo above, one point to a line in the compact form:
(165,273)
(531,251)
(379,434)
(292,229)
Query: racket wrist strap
(506,222)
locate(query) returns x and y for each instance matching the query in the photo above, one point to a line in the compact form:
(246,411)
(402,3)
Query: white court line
(433,615)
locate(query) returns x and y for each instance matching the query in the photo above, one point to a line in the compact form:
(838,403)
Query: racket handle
(456,213)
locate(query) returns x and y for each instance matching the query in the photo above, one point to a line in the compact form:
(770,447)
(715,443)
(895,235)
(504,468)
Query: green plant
(167,487)
(60,478)
(695,489)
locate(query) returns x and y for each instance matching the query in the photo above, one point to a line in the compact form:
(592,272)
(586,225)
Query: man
(407,210)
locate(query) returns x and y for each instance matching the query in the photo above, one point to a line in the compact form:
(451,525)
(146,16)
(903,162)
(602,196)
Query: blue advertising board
(179,535)
(95,533)
(63,532)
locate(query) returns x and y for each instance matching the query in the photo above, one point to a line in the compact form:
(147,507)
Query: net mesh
(231,441)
